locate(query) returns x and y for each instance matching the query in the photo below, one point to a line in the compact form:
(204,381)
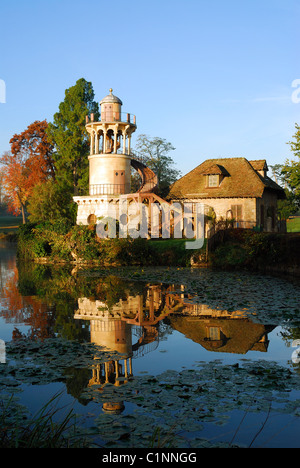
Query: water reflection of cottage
(220,330)
(223,335)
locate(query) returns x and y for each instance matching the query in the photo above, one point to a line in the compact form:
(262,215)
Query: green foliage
(171,252)
(57,241)
(68,135)
(211,216)
(49,202)
(287,207)
(126,251)
(261,248)
(82,242)
(41,248)
(229,255)
(257,251)
(291,169)
(111,290)
(25,243)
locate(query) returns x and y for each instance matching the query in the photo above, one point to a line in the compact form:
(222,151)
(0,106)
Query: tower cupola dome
(110,99)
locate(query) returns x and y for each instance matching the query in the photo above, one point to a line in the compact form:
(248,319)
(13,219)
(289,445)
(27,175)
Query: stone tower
(110,162)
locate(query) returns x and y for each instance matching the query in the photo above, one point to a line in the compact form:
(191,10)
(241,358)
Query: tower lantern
(110,107)
(110,148)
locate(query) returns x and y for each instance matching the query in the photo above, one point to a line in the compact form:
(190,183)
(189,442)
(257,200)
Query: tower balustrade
(112,116)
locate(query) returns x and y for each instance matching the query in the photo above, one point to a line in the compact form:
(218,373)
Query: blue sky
(213,77)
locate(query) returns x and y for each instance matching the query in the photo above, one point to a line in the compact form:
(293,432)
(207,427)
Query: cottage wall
(243,210)
(224,207)
(251,212)
(266,208)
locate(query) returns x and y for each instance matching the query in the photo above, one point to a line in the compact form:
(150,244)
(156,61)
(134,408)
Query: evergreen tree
(68,135)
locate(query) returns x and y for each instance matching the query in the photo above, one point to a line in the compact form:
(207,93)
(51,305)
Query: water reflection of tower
(114,335)
(109,331)
(111,328)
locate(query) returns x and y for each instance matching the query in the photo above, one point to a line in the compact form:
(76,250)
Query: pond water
(191,357)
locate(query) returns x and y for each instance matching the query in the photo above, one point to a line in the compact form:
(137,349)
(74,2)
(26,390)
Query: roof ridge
(218,159)
(205,161)
(252,160)
(259,177)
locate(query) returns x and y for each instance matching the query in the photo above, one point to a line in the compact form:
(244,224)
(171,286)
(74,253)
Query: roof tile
(240,180)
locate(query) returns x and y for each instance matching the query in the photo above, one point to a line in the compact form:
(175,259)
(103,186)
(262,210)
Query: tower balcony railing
(110,116)
(109,189)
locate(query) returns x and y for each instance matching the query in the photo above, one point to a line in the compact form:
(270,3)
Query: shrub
(126,251)
(261,247)
(229,255)
(83,242)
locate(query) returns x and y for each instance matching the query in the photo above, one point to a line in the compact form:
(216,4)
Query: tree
(36,149)
(277,174)
(68,135)
(3,197)
(288,206)
(15,181)
(154,152)
(291,169)
(28,163)
(49,202)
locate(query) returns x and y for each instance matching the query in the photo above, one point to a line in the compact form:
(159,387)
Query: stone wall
(251,211)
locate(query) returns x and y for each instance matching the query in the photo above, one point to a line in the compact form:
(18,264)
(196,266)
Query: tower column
(92,144)
(96,143)
(104,140)
(124,142)
(117,369)
(129,141)
(115,140)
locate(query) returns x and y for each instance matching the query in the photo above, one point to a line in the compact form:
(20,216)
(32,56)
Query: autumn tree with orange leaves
(28,163)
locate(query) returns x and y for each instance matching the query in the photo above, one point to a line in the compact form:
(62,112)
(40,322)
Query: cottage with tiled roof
(234,188)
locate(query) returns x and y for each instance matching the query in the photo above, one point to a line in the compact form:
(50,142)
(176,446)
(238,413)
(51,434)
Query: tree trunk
(23,214)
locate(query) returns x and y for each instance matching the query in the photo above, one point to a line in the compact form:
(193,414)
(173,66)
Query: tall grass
(40,431)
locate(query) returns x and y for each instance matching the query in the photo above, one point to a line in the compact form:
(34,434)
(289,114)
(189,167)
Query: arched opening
(92,219)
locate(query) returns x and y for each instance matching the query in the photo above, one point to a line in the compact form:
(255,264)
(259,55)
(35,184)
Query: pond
(173,357)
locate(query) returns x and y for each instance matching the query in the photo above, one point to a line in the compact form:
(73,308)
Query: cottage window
(213,180)
(214,333)
(236,212)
